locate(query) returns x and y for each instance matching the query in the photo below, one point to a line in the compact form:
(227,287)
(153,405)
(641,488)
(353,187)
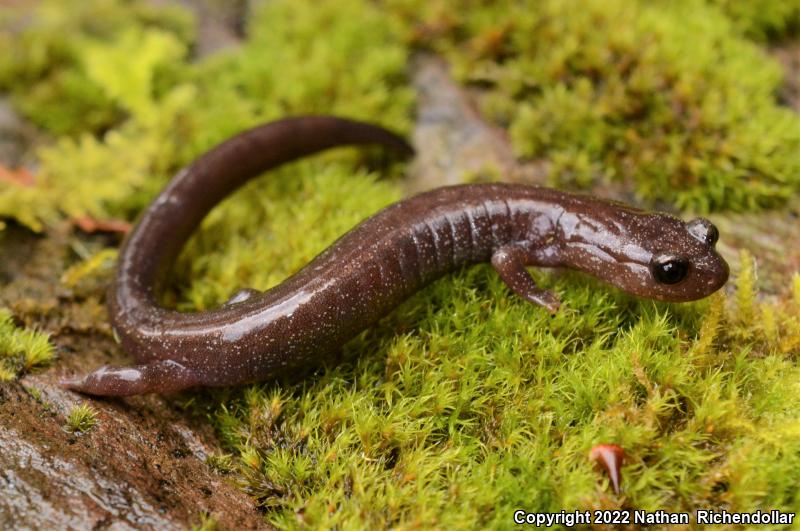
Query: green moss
(27,205)
(113,176)
(85,275)
(222,463)
(142,52)
(206,523)
(68,103)
(63,72)
(81,419)
(50,68)
(21,350)
(764,20)
(604,92)
(35,393)
(665,96)
(304,57)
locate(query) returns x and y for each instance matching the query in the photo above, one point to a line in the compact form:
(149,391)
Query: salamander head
(651,255)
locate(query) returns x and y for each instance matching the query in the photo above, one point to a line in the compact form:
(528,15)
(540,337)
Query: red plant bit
(19,176)
(90,225)
(610,457)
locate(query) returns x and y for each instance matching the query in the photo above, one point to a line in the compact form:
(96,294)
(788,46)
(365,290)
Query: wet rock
(771,238)
(143,465)
(219,24)
(454,143)
(15,136)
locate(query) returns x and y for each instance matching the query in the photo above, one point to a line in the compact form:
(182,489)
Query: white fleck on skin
(129,375)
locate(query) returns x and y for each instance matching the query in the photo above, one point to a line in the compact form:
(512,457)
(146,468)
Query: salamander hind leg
(509,262)
(163,376)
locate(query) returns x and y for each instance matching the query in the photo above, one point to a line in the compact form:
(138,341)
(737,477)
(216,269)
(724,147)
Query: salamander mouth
(721,277)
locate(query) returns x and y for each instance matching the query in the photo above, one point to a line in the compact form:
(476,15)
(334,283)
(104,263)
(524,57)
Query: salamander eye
(669,269)
(703,230)
(712,236)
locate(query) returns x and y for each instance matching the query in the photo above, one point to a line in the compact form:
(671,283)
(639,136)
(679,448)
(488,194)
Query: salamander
(373,267)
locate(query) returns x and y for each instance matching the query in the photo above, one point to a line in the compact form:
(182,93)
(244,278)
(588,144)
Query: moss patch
(764,20)
(665,96)
(21,349)
(81,419)
(668,98)
(174,115)
(52,62)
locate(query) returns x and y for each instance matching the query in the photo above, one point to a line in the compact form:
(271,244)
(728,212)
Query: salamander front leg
(509,262)
(162,376)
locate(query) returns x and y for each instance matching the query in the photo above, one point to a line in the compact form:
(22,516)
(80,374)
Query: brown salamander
(373,267)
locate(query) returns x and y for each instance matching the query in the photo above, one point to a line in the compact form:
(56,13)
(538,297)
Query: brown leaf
(91,225)
(19,176)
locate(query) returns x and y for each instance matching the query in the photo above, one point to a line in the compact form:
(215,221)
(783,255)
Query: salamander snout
(689,267)
(652,255)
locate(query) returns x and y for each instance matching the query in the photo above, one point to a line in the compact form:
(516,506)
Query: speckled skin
(372,268)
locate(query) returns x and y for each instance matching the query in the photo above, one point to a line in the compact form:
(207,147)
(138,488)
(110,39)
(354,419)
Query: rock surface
(15,136)
(143,465)
(453,143)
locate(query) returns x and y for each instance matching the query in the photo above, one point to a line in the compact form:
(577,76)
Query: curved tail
(168,222)
(171,218)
